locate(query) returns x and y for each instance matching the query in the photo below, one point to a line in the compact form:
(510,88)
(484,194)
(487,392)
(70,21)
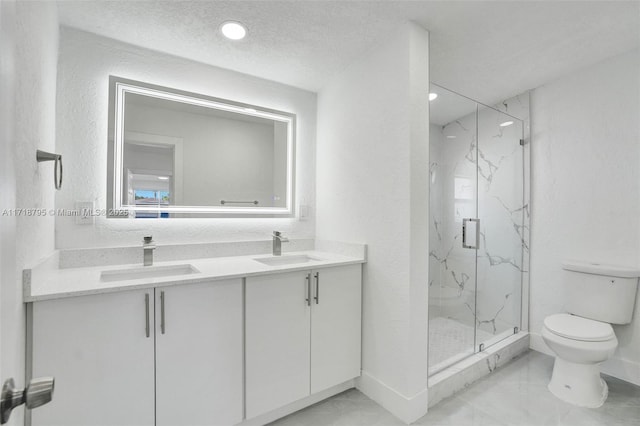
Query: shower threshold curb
(460,375)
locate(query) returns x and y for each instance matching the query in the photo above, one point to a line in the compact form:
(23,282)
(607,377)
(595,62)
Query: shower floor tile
(449,341)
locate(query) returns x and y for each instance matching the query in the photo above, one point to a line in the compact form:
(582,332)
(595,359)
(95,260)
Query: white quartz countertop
(48,281)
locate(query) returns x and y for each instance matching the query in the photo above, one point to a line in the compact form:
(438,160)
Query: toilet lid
(578,328)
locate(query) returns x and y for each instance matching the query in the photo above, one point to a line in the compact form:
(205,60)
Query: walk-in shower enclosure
(478,219)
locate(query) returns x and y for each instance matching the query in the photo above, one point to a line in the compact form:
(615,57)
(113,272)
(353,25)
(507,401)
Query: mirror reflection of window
(149,166)
(151,198)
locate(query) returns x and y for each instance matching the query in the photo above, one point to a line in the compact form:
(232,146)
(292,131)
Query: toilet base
(578,384)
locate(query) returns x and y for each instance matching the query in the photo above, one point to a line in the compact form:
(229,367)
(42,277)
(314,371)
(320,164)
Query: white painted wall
(29,45)
(143,157)
(372,185)
(586,188)
(85,63)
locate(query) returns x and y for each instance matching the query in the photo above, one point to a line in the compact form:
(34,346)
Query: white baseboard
(537,344)
(407,409)
(619,368)
(622,369)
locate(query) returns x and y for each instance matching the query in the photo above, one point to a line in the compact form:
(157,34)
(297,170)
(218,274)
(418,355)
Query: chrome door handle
(308,298)
(162,312)
(37,393)
(317,296)
(464,233)
(146,307)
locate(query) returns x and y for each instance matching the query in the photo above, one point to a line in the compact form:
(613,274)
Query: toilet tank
(604,293)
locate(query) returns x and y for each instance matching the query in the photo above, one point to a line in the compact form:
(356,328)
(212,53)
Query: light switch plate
(304,212)
(85,213)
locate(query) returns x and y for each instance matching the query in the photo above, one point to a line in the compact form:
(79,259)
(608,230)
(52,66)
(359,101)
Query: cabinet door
(199,354)
(277,341)
(335,326)
(98,350)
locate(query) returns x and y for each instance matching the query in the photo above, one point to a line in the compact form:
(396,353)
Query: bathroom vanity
(217,341)
(194,340)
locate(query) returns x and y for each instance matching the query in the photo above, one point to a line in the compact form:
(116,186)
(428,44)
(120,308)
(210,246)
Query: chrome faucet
(278,239)
(148,247)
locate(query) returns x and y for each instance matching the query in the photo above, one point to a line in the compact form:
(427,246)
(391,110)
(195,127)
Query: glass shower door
(453,199)
(500,212)
(476,221)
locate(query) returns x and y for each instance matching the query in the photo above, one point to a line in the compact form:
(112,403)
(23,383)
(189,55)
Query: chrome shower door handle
(466,225)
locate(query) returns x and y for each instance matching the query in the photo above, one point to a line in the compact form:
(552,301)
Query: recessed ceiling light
(233,30)
(506,123)
(163,177)
(451,136)
(432,96)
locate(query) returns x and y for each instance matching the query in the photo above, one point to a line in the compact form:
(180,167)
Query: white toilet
(596,296)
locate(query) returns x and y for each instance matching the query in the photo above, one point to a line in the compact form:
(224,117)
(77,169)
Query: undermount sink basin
(286,259)
(147,272)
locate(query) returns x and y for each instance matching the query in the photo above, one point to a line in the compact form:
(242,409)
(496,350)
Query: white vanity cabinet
(336,326)
(113,369)
(199,355)
(97,349)
(278,331)
(302,334)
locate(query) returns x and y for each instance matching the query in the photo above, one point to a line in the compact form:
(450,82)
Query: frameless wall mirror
(179,154)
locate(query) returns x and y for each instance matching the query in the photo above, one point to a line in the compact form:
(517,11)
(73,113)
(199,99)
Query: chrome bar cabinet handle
(317,296)
(146,308)
(162,312)
(308,298)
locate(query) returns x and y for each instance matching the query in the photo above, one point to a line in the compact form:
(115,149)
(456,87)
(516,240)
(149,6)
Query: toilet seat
(578,328)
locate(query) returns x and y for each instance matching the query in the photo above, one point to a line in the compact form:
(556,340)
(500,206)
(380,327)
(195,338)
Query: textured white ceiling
(488,50)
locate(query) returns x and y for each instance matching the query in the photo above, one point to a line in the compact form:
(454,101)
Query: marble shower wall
(500,204)
(518,106)
(452,268)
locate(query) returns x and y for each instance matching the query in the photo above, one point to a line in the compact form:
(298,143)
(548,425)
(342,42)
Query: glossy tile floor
(515,394)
